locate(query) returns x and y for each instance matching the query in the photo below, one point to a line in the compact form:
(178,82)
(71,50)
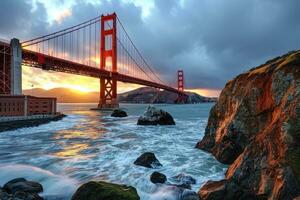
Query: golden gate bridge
(99,48)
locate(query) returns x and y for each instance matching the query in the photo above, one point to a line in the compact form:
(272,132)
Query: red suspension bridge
(81,49)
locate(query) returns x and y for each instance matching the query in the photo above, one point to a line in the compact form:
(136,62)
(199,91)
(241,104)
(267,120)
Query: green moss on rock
(105,191)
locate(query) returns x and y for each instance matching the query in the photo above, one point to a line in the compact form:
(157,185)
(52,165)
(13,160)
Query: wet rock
(105,191)
(184,179)
(26,196)
(21,189)
(226,190)
(147,159)
(21,184)
(4,195)
(255,127)
(214,190)
(153,116)
(184,186)
(157,177)
(118,113)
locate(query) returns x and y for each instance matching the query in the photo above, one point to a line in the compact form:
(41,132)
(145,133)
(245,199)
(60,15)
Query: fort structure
(12,102)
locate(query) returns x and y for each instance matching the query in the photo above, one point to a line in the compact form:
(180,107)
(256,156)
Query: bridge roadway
(46,62)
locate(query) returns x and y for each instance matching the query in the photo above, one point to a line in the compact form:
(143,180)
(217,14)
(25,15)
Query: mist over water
(91,145)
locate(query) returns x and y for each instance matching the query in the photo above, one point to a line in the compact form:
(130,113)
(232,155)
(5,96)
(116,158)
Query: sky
(211,40)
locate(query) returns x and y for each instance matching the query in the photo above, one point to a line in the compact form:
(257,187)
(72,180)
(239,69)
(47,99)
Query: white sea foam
(53,184)
(92,145)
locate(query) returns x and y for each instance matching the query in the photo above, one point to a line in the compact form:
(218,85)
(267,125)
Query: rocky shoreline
(16,124)
(180,185)
(255,127)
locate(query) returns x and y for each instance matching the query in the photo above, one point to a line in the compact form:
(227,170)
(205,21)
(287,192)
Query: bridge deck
(46,62)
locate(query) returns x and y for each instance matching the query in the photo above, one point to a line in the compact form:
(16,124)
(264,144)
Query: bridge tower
(180,87)
(108,52)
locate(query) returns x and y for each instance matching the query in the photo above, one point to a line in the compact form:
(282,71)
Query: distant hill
(153,95)
(140,95)
(65,95)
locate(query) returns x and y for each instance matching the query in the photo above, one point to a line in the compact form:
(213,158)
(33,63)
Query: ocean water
(91,145)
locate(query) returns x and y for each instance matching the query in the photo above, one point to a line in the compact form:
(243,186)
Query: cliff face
(255,127)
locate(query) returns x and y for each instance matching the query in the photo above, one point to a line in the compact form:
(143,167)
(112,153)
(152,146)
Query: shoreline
(13,123)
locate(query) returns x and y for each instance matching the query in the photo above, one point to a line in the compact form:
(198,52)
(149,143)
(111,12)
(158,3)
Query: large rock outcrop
(153,116)
(255,127)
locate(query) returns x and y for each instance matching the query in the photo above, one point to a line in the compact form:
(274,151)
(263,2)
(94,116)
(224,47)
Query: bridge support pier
(108,93)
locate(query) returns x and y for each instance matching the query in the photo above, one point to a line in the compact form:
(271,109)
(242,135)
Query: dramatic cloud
(211,40)
(20,19)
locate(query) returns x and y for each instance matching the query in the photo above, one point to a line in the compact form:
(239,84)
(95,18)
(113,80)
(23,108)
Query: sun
(80,89)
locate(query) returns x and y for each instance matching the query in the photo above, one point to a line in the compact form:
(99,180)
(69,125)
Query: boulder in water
(104,191)
(184,179)
(153,116)
(21,184)
(147,159)
(21,189)
(157,177)
(118,113)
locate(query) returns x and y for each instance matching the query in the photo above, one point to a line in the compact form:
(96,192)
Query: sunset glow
(206,92)
(49,80)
